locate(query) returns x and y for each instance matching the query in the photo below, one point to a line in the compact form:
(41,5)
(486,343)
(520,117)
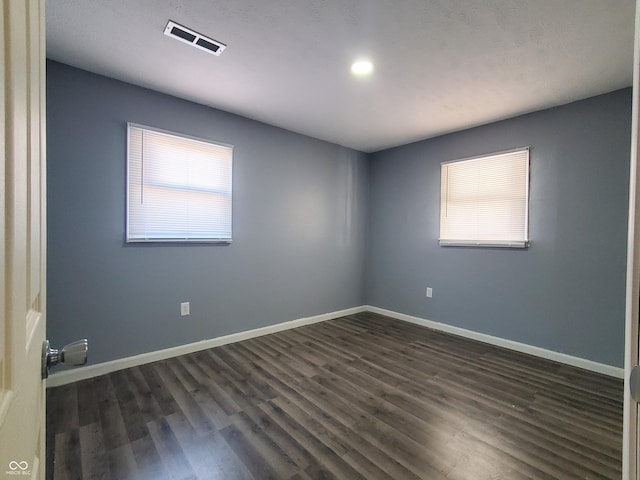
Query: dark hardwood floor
(361,397)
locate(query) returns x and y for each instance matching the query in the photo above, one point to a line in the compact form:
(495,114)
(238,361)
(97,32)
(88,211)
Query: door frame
(630,462)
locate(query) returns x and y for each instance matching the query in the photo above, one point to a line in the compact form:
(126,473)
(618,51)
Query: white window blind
(179,188)
(485,200)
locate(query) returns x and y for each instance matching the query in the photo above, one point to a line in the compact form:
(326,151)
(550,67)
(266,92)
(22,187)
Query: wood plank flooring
(360,397)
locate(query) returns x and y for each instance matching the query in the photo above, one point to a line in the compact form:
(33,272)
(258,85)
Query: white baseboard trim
(74,375)
(501,342)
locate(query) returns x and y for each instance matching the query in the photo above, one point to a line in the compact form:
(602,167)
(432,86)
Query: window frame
(526,242)
(174,240)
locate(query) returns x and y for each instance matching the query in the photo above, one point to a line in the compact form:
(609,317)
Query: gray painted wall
(302,208)
(298,216)
(566,292)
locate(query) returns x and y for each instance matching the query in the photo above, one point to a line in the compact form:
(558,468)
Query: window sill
(489,244)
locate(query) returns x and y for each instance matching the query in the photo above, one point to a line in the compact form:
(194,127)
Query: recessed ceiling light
(361,67)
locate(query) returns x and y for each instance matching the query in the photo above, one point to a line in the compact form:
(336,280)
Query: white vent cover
(187,35)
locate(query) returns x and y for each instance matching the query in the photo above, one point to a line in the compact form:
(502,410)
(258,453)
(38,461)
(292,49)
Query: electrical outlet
(429,292)
(185,309)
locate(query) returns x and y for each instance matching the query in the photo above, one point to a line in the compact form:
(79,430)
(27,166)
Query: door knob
(73,354)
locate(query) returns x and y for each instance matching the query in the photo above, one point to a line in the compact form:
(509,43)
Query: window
(178,188)
(485,200)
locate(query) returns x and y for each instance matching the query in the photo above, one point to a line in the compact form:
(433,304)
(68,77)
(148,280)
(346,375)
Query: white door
(22,253)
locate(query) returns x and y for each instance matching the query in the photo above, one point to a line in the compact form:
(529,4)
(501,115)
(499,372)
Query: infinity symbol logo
(13,465)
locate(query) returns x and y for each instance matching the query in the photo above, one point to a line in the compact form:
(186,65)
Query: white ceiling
(440,65)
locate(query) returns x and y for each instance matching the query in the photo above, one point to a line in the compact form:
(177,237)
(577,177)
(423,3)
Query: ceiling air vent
(187,35)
